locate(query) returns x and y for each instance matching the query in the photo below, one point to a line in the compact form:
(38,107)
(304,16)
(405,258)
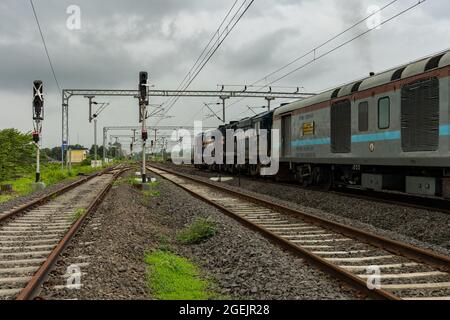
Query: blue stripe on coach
(383,136)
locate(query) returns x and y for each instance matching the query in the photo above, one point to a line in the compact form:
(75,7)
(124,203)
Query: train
(386,132)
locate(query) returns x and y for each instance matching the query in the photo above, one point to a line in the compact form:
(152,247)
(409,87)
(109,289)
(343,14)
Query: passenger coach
(389,131)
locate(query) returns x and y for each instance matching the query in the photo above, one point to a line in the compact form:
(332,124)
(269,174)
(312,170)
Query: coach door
(286,136)
(341,127)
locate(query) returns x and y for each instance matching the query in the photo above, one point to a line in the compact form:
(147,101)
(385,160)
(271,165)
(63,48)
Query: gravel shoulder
(423,228)
(242,263)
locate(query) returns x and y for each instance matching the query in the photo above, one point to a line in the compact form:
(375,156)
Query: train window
(384,113)
(363,116)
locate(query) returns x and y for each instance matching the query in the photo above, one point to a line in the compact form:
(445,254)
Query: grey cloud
(109,52)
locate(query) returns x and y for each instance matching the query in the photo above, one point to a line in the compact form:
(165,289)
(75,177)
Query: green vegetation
(199,231)
(78,214)
(125,181)
(171,277)
(50,174)
(152,193)
(17,164)
(164,243)
(16,154)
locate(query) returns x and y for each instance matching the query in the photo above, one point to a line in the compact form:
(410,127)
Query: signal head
(38,100)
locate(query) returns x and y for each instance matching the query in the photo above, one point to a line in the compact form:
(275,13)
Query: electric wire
(45,46)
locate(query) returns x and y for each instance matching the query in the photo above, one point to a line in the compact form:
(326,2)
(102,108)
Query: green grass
(5,198)
(125,181)
(78,214)
(50,174)
(171,277)
(201,230)
(152,193)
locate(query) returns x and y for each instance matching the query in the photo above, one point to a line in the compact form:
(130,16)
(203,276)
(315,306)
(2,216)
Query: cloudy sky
(119,38)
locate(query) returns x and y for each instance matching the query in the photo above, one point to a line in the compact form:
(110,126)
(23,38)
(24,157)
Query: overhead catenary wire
(210,55)
(348,41)
(318,57)
(213,50)
(45,45)
(188,75)
(316,48)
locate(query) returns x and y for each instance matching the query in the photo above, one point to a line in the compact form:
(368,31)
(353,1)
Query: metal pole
(62,132)
(144,176)
(95,140)
(38,167)
(104,145)
(269,99)
(223,105)
(224,98)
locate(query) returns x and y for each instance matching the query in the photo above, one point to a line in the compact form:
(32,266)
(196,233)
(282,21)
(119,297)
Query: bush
(199,231)
(16,154)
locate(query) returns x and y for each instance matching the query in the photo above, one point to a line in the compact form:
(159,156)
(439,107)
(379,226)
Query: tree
(17,153)
(53,154)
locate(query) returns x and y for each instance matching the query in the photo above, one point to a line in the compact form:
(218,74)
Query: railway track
(33,235)
(395,198)
(381,267)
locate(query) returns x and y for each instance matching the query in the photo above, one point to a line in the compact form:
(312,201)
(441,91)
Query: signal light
(36,137)
(38,100)
(144,135)
(143,87)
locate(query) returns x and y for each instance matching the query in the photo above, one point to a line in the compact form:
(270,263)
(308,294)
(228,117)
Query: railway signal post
(38,118)
(143,103)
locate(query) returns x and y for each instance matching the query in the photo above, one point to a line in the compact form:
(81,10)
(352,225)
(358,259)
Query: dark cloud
(120,38)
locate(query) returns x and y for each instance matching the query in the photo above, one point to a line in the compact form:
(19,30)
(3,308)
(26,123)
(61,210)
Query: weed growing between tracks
(202,229)
(78,214)
(171,277)
(152,192)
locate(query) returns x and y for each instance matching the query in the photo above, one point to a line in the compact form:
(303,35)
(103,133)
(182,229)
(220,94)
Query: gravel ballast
(242,263)
(423,228)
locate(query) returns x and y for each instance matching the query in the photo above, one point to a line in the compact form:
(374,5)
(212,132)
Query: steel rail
(30,291)
(402,249)
(33,203)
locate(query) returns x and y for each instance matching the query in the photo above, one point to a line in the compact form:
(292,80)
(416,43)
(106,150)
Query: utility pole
(269,100)
(93,117)
(104,145)
(143,103)
(38,117)
(224,98)
(95,139)
(133,141)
